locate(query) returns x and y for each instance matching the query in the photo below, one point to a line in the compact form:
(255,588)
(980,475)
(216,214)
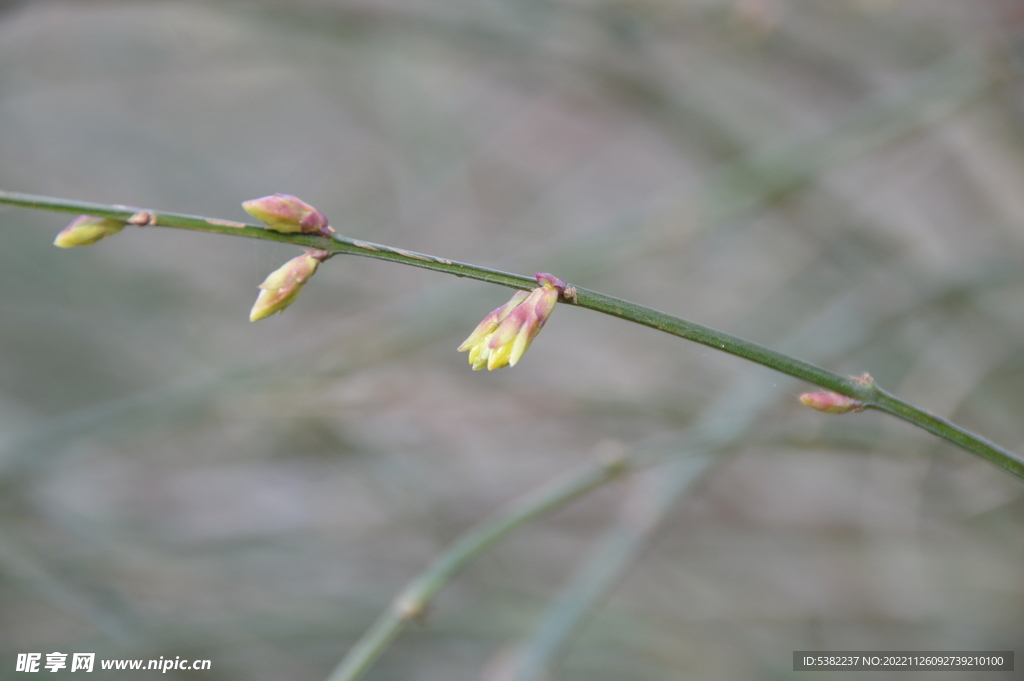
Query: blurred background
(838,179)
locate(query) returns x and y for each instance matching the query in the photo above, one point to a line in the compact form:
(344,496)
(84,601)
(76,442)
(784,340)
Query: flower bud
(288,214)
(504,335)
(479,340)
(831,403)
(284,284)
(85,230)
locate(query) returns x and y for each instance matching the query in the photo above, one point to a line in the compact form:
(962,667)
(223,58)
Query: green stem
(947,430)
(411,603)
(867,392)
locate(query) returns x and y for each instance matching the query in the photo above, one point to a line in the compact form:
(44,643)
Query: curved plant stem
(411,603)
(863,390)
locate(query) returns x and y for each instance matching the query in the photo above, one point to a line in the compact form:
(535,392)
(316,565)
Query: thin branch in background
(411,603)
(647,506)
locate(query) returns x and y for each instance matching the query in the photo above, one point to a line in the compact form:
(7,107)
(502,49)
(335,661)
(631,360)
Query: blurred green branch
(643,513)
(412,602)
(865,391)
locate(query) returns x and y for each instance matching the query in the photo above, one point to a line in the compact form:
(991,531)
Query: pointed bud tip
(257,313)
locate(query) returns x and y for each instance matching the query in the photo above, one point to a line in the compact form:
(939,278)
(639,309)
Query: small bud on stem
(831,403)
(282,287)
(288,214)
(85,230)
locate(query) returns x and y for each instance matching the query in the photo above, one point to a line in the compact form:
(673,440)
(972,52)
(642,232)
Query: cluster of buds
(85,230)
(505,334)
(288,214)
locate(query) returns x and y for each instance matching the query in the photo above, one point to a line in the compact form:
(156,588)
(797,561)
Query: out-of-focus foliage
(840,179)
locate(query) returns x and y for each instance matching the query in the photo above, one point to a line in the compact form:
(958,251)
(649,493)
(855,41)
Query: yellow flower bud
(504,335)
(284,284)
(85,230)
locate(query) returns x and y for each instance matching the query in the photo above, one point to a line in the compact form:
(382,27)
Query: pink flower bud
(284,284)
(288,214)
(85,230)
(504,335)
(831,403)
